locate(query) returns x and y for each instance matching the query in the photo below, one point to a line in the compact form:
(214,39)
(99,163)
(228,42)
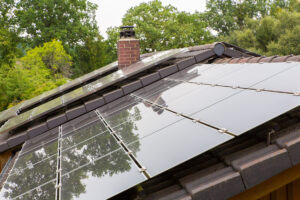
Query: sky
(110,12)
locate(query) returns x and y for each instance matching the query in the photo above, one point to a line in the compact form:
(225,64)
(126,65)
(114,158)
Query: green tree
(90,55)
(225,16)
(8,47)
(40,70)
(67,21)
(163,27)
(71,22)
(52,55)
(271,35)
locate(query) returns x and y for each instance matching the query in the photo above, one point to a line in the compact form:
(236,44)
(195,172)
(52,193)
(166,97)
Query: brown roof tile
(272,59)
(266,162)
(254,60)
(221,183)
(267,59)
(281,58)
(235,60)
(294,58)
(174,192)
(244,60)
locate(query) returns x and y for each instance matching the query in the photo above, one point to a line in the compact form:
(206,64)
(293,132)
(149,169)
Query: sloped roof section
(177,104)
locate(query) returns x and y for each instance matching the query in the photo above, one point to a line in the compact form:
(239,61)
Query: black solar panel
(90,88)
(152,130)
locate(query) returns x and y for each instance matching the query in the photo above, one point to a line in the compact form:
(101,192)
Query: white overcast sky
(110,12)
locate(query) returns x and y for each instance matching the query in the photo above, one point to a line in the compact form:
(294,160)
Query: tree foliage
(163,27)
(90,55)
(67,21)
(40,70)
(225,16)
(52,55)
(272,35)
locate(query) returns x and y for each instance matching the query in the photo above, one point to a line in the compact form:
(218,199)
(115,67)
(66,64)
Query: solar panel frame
(175,144)
(29,176)
(247,110)
(114,183)
(286,81)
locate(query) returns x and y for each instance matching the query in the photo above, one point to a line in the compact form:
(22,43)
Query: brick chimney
(128,47)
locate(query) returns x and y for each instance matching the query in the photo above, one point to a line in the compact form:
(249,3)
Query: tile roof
(218,174)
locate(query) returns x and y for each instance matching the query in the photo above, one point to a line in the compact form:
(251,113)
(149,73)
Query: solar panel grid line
(33,189)
(20,175)
(10,171)
(210,72)
(261,72)
(31,164)
(215,76)
(94,161)
(124,146)
(235,93)
(176,144)
(37,147)
(258,108)
(37,142)
(91,162)
(83,141)
(102,83)
(59,170)
(237,87)
(5,169)
(221,130)
(67,86)
(78,128)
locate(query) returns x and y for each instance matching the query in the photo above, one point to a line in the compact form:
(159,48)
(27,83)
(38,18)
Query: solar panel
(97,85)
(206,73)
(105,177)
(188,98)
(88,120)
(47,107)
(152,130)
(139,120)
(9,113)
(92,151)
(117,105)
(254,73)
(40,141)
(174,145)
(248,109)
(287,81)
(45,191)
(163,85)
(33,173)
(73,83)
(38,99)
(16,121)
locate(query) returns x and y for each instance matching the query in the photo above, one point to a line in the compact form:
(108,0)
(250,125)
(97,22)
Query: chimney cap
(127,27)
(127,32)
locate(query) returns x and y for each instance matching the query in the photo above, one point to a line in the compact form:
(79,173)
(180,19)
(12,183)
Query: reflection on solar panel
(134,138)
(91,88)
(73,83)
(9,113)
(235,97)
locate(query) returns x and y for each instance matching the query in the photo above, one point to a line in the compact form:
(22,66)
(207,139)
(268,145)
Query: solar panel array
(88,89)
(158,127)
(10,113)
